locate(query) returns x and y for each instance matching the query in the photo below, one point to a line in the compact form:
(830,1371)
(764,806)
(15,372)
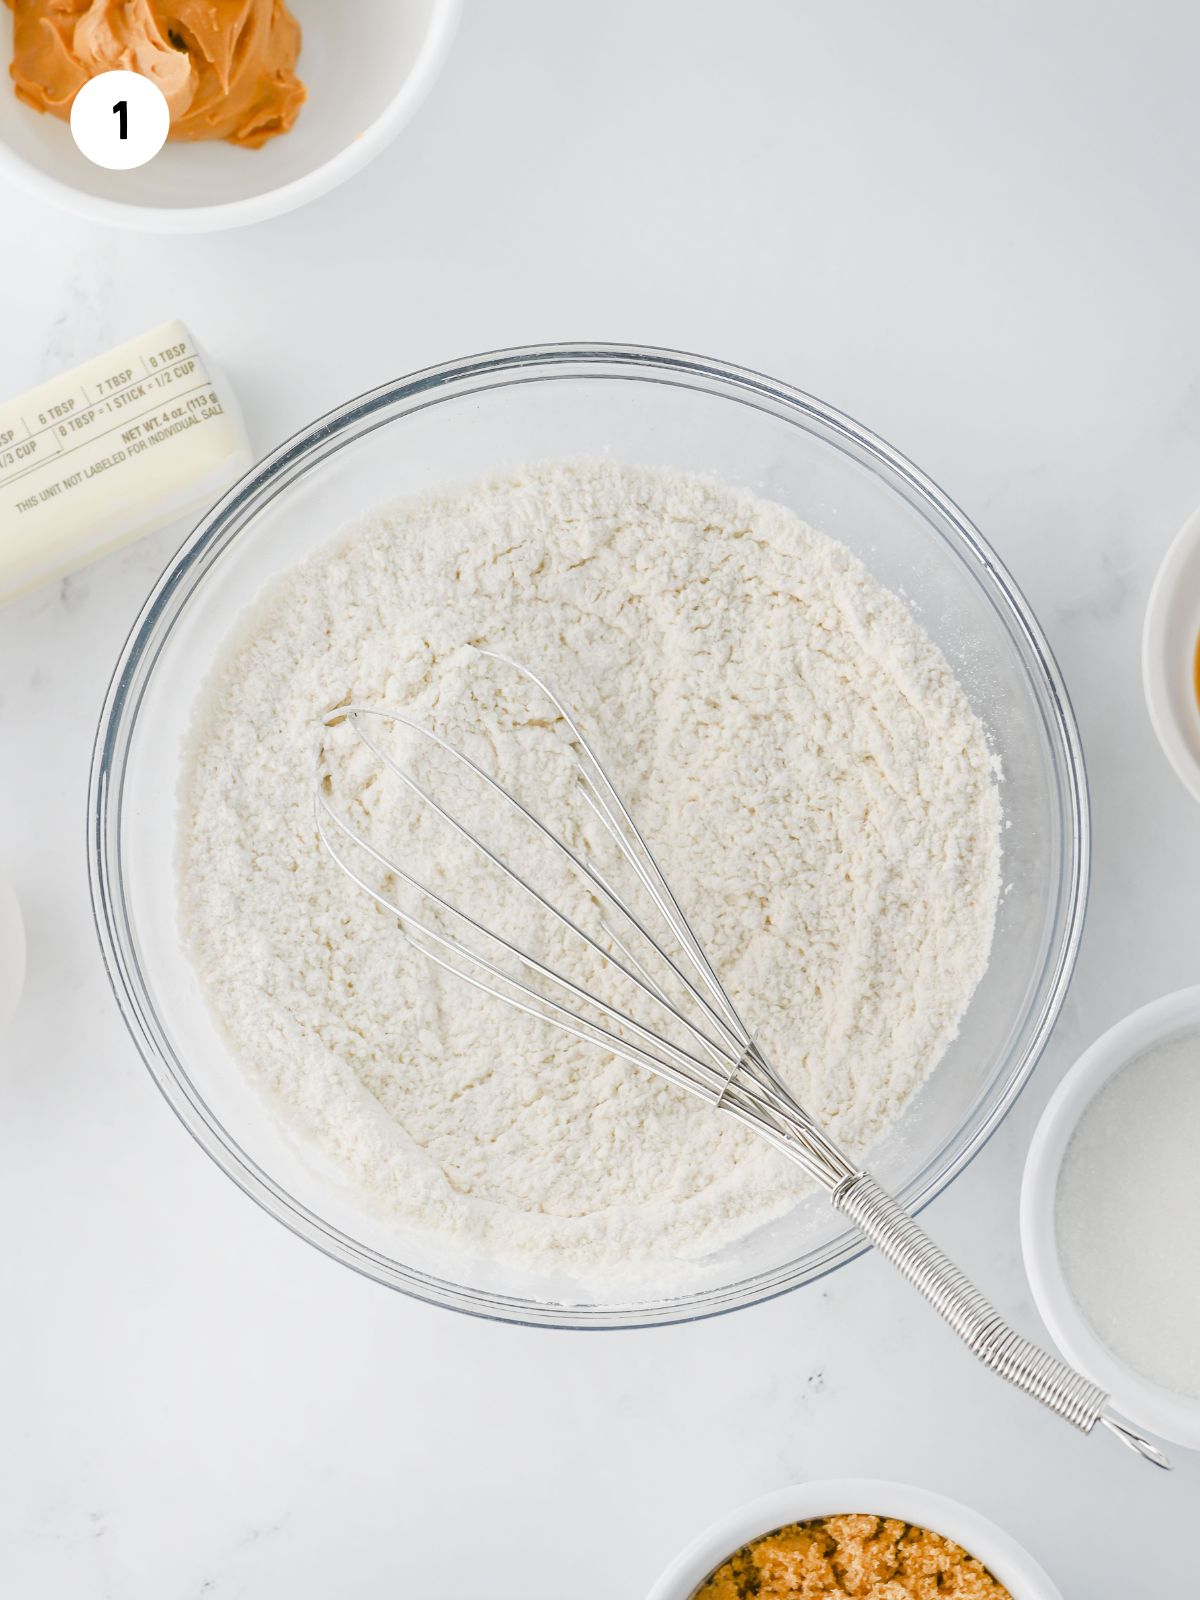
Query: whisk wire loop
(586,869)
(654,880)
(532,999)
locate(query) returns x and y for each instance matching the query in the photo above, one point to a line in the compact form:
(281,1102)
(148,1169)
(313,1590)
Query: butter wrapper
(111,451)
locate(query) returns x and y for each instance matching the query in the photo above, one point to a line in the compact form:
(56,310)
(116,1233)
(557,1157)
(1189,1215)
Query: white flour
(798,752)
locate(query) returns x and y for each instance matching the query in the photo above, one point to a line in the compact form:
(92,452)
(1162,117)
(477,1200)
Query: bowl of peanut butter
(272,102)
(854,1537)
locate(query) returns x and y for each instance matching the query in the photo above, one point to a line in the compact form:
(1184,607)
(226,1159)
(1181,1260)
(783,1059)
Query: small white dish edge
(1169,640)
(12,952)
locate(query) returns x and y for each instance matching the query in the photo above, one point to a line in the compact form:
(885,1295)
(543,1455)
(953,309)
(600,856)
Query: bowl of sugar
(1110,1215)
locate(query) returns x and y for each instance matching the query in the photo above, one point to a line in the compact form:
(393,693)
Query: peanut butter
(226,67)
(867,1557)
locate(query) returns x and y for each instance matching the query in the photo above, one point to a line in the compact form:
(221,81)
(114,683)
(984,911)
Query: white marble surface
(974,228)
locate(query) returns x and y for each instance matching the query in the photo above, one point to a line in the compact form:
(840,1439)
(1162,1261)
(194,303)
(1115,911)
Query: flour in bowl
(796,749)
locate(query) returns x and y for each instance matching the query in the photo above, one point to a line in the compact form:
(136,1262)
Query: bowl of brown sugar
(858,1538)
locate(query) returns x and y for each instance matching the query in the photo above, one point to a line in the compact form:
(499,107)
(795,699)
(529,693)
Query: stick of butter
(111,451)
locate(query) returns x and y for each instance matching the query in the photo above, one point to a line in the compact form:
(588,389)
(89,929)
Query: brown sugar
(858,1555)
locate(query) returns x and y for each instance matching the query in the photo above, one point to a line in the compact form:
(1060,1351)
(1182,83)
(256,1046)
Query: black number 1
(121,112)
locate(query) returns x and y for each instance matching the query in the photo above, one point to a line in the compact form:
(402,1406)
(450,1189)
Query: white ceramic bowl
(1145,1403)
(1169,637)
(366,74)
(1000,1554)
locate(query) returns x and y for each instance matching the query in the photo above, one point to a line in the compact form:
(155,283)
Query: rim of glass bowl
(307,450)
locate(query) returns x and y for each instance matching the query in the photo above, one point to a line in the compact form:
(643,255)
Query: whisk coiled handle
(973,1318)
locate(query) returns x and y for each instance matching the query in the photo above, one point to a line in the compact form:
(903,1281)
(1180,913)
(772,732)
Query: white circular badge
(120,120)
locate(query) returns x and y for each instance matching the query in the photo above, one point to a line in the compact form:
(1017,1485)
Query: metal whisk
(674,981)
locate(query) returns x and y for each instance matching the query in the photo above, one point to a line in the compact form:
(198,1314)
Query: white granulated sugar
(796,749)
(1127,1214)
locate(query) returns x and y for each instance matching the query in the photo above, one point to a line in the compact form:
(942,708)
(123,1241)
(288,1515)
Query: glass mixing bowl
(650,407)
